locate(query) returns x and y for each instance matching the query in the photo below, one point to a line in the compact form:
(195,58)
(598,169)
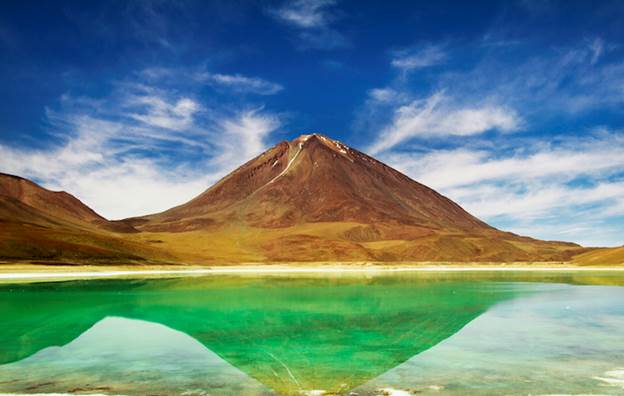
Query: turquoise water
(409,334)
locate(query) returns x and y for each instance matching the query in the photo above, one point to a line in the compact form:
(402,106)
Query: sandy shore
(25,272)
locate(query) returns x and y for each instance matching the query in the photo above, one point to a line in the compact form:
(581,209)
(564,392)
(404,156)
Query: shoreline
(17,272)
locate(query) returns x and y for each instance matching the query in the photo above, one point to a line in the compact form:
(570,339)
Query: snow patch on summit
(336,146)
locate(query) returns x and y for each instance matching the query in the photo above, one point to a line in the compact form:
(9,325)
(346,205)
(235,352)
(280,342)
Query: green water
(416,333)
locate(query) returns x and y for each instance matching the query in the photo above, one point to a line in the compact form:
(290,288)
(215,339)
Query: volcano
(316,199)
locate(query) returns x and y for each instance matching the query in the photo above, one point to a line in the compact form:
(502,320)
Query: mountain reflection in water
(285,335)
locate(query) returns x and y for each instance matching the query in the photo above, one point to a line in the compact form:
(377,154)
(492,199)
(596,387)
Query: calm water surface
(418,333)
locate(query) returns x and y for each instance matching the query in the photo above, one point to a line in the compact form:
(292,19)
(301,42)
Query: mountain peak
(306,136)
(314,178)
(307,140)
(302,139)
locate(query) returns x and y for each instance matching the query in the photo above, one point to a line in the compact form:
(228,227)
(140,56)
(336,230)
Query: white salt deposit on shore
(281,270)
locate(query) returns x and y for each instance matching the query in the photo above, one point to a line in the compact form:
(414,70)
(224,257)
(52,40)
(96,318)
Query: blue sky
(514,109)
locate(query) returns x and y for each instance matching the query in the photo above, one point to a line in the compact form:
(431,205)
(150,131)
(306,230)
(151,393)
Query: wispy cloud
(567,186)
(532,159)
(240,83)
(232,83)
(596,47)
(407,60)
(386,95)
(246,136)
(567,80)
(156,111)
(571,182)
(437,116)
(313,19)
(142,149)
(305,13)
(564,81)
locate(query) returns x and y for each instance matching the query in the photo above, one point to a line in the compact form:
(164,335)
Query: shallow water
(386,334)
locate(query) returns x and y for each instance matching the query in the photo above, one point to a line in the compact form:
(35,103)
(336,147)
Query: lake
(416,333)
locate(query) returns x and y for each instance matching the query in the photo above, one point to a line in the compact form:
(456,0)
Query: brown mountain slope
(605,256)
(39,224)
(62,204)
(315,199)
(58,204)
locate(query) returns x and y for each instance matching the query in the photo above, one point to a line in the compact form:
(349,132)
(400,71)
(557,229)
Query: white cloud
(425,57)
(437,116)
(240,83)
(131,187)
(568,191)
(246,136)
(158,112)
(440,168)
(305,13)
(550,210)
(313,19)
(385,95)
(146,155)
(535,200)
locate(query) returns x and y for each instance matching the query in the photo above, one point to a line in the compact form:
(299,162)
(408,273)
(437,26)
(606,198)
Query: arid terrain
(312,199)
(600,257)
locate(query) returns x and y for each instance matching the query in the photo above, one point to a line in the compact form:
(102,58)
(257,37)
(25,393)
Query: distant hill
(604,256)
(39,224)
